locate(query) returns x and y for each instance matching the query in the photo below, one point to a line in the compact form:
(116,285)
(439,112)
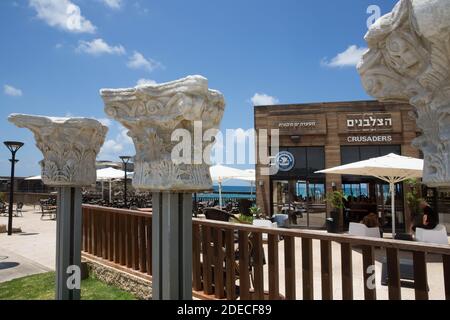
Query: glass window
(308,160)
(315,159)
(385,150)
(300,167)
(302,200)
(368,152)
(349,154)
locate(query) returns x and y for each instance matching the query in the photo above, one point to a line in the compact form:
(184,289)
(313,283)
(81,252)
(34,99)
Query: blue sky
(253,51)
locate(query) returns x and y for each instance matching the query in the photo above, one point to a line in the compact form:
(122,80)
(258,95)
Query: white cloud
(113,4)
(118,146)
(98,47)
(138,61)
(62,14)
(262,99)
(348,58)
(11,91)
(142,82)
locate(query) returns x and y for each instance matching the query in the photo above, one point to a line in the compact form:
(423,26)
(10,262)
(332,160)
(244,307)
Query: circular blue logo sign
(285,161)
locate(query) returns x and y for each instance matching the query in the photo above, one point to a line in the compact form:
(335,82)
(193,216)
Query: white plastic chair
(361,230)
(437,236)
(265,224)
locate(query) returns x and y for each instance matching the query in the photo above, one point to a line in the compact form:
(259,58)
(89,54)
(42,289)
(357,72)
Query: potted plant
(253,213)
(336,199)
(256,212)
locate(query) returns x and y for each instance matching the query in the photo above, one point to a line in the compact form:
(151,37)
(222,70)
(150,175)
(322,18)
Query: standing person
(429,220)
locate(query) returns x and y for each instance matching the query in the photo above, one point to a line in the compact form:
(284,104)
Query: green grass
(42,287)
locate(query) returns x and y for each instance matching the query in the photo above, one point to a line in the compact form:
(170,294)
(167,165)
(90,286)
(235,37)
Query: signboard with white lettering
(297,124)
(315,124)
(377,138)
(370,122)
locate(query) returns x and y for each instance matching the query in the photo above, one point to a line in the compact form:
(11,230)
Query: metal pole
(11,194)
(172,246)
(392,187)
(220,194)
(110,191)
(68,244)
(125,185)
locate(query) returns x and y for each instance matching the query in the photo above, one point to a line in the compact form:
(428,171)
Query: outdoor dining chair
(3,208)
(19,208)
(220,215)
(48,209)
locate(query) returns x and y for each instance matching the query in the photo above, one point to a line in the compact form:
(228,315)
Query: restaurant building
(316,136)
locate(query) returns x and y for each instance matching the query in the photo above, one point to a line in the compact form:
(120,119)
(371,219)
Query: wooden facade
(331,126)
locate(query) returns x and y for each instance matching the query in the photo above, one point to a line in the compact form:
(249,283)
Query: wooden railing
(122,237)
(233,261)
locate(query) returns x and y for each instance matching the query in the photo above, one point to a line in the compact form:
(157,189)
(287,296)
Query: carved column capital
(409,61)
(151,113)
(69,145)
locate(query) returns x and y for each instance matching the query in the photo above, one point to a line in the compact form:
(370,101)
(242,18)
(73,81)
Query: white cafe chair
(436,236)
(361,230)
(265,224)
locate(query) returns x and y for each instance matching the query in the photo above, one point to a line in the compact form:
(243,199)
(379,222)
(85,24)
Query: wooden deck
(232,261)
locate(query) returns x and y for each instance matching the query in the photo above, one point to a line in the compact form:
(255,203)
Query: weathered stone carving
(409,60)
(151,113)
(69,145)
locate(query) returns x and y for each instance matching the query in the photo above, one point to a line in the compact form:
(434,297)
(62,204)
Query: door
(304,200)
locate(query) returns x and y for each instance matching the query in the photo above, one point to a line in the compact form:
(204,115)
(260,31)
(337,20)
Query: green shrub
(336,199)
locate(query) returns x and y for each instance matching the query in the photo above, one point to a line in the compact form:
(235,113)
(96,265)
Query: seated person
(429,220)
(371,221)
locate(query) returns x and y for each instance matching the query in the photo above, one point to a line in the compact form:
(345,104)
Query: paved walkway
(29,252)
(13,266)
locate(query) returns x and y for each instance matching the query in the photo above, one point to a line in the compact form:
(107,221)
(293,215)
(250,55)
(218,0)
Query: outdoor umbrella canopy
(220,174)
(110,174)
(391,168)
(34,178)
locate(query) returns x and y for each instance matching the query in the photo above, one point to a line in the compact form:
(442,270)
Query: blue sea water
(230,192)
(231,189)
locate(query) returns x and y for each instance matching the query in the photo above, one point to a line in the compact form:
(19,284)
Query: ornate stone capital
(151,113)
(409,61)
(69,145)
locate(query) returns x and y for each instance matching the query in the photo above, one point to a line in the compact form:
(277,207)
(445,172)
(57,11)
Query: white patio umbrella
(110,174)
(391,168)
(106,174)
(251,178)
(34,178)
(220,174)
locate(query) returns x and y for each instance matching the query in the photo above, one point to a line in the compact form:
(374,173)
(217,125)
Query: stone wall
(139,287)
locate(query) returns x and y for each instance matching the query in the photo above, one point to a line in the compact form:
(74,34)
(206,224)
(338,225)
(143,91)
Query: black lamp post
(13,146)
(125,160)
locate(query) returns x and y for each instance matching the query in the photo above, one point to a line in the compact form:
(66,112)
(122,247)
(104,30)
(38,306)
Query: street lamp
(13,146)
(125,160)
